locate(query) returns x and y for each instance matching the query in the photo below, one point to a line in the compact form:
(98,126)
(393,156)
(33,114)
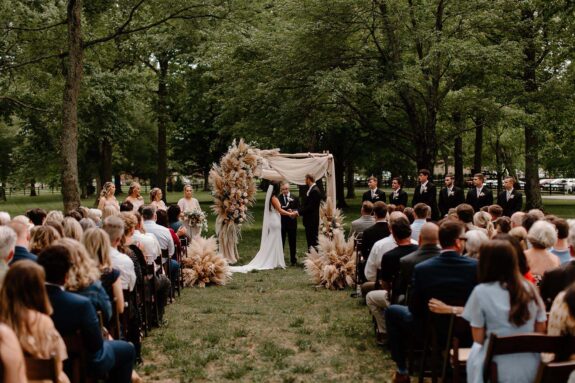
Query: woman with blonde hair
(474,239)
(134,196)
(54,216)
(156,199)
(84,277)
(109,211)
(97,244)
(107,197)
(72,229)
(41,237)
(482,220)
(25,307)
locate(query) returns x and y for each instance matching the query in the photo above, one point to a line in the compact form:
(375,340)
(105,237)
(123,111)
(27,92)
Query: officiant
(289,202)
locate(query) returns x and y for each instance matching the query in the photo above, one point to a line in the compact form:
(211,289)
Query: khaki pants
(377,301)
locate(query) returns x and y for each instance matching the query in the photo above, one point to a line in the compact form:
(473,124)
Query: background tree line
(148,87)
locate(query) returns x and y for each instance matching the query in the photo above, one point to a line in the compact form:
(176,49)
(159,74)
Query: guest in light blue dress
(489,311)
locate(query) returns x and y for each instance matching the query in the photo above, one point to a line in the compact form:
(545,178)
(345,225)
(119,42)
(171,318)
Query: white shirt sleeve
(171,246)
(371,265)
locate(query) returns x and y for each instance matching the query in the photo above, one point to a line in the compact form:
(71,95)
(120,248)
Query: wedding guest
(25,307)
(450,196)
(162,220)
(96,216)
(114,226)
(422,214)
(41,237)
(480,195)
(542,236)
(502,225)
(134,196)
(409,213)
(378,231)
(8,240)
(364,221)
(562,314)
(4,218)
(156,199)
(520,234)
(126,206)
(474,239)
(84,212)
(106,358)
(517,219)
(425,192)
(72,229)
(503,304)
(54,216)
(374,194)
(37,216)
(174,215)
(398,197)
(97,244)
(482,220)
(538,213)
(87,223)
(465,214)
(107,197)
(561,247)
(529,219)
(109,211)
(84,277)
(21,251)
(521,258)
(11,357)
(187,202)
(73,214)
(310,211)
(289,202)
(496,212)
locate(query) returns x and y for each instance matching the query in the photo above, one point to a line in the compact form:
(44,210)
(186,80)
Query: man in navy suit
(22,240)
(398,197)
(480,195)
(510,199)
(74,314)
(448,277)
(374,194)
(425,192)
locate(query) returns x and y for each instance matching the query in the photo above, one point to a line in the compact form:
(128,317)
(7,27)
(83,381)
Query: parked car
(564,185)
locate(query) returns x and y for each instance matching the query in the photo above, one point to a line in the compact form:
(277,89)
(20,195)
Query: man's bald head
(429,234)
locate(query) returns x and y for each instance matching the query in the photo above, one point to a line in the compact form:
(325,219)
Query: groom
(310,211)
(289,224)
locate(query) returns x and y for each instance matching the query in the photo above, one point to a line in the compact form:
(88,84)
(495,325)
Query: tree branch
(38,29)
(22,104)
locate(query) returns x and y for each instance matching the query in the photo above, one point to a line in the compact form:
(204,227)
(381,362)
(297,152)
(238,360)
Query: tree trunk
(207,179)
(350,180)
(458,162)
(478,155)
(163,119)
(339,183)
(69,134)
(33,188)
(106,161)
(118,184)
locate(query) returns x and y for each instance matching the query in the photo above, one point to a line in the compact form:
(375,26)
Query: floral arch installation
(234,189)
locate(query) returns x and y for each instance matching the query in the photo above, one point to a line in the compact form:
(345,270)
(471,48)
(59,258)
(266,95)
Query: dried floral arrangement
(203,265)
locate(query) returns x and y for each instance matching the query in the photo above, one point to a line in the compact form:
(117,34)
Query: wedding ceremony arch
(233,185)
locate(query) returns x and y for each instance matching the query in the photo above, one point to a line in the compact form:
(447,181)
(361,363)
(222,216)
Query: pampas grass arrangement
(333,263)
(203,265)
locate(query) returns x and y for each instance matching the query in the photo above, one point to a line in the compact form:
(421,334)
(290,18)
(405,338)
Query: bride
(271,254)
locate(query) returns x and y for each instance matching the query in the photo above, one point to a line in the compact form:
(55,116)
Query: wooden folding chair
(167,269)
(41,369)
(554,372)
(77,361)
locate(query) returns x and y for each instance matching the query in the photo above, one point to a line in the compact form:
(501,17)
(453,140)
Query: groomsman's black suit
(447,201)
(289,225)
(400,199)
(310,213)
(379,196)
(514,204)
(428,197)
(479,201)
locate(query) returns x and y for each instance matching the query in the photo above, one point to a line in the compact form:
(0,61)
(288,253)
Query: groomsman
(510,199)
(426,193)
(450,196)
(480,195)
(398,197)
(289,225)
(373,195)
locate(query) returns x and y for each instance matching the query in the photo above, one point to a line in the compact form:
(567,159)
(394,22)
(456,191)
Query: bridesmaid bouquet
(197,218)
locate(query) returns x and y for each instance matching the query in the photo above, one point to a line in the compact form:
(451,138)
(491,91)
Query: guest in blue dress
(504,303)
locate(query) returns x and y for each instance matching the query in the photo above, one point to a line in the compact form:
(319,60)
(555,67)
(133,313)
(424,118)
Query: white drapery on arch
(276,166)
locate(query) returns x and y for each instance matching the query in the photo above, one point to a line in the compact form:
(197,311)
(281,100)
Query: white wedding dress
(271,254)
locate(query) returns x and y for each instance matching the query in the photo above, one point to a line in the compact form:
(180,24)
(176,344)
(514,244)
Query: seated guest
(410,214)
(87,223)
(561,247)
(365,220)
(482,220)
(448,277)
(502,225)
(465,215)
(520,234)
(96,216)
(529,219)
(72,229)
(517,219)
(97,244)
(37,216)
(377,231)
(162,220)
(54,216)
(74,313)
(74,214)
(378,300)
(24,306)
(84,277)
(474,239)
(126,206)
(22,242)
(521,258)
(109,211)
(7,247)
(114,226)
(11,357)
(503,304)
(496,212)
(156,199)
(542,236)
(562,315)
(4,218)
(174,213)
(41,237)
(422,213)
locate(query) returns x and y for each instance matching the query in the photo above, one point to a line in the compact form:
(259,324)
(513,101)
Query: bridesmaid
(156,199)
(134,196)
(188,203)
(107,197)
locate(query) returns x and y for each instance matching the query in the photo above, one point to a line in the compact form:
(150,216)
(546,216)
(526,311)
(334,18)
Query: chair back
(514,344)
(77,358)
(41,369)
(554,372)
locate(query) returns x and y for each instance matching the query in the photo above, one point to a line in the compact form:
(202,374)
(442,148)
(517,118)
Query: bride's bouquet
(197,218)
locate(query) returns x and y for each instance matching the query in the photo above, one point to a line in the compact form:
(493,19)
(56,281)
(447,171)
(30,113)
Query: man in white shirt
(422,213)
(152,249)
(161,233)
(114,226)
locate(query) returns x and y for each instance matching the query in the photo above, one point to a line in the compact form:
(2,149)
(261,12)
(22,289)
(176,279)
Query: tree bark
(118,183)
(106,161)
(163,120)
(33,188)
(206,179)
(350,180)
(478,155)
(69,134)
(339,183)
(458,162)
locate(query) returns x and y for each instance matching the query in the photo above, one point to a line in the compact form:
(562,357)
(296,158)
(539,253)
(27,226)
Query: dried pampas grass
(203,265)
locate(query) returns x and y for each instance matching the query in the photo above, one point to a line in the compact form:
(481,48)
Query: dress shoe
(401,378)
(381,338)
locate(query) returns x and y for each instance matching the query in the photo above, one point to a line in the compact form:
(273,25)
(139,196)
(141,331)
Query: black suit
(379,196)
(310,213)
(479,201)
(512,205)
(400,199)
(428,197)
(369,237)
(556,280)
(447,201)
(289,225)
